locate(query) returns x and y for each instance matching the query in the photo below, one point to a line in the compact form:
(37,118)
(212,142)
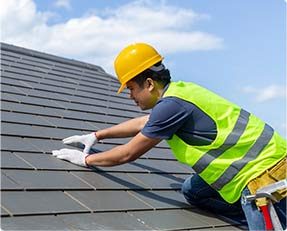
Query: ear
(150,84)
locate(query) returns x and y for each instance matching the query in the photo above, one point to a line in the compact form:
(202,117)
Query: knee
(188,192)
(186,186)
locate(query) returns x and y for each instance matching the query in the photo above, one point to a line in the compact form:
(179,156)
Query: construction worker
(225,145)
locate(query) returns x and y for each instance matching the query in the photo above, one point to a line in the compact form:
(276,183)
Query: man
(227,146)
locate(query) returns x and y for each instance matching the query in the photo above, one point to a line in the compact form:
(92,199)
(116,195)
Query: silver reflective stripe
(230,141)
(253,152)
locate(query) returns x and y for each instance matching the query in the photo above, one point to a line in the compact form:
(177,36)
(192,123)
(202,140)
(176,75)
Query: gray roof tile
(114,181)
(170,220)
(42,161)
(104,221)
(109,200)
(9,184)
(41,180)
(159,181)
(40,202)
(159,199)
(13,117)
(11,161)
(10,143)
(36,131)
(34,223)
(4,213)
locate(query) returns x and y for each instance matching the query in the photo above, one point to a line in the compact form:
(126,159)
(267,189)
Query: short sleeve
(166,118)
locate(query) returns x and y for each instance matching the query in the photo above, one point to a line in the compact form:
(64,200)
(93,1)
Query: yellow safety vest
(244,147)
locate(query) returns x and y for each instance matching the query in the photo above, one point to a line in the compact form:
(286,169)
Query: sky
(236,48)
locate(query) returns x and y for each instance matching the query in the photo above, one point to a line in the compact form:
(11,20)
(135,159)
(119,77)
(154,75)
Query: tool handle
(267,218)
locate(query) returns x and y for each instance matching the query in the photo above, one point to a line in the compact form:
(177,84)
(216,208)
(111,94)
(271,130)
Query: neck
(160,91)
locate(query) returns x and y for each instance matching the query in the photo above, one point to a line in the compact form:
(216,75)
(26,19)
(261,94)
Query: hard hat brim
(121,88)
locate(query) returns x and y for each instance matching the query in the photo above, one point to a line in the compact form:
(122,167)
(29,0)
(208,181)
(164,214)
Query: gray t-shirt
(172,115)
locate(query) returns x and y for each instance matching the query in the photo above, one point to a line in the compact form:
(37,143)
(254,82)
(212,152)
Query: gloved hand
(74,156)
(88,140)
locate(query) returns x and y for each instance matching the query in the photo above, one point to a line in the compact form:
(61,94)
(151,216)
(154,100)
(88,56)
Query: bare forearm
(115,156)
(136,147)
(126,129)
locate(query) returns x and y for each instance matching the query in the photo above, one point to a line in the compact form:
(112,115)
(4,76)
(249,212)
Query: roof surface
(45,98)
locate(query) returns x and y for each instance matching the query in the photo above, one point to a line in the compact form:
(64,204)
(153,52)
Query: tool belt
(270,176)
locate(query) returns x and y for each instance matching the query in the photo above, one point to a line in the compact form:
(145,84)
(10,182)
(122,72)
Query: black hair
(162,76)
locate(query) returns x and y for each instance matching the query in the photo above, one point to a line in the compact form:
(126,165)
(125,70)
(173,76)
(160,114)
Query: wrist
(96,134)
(87,161)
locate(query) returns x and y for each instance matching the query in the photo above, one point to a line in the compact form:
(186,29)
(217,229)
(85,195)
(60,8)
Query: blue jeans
(198,193)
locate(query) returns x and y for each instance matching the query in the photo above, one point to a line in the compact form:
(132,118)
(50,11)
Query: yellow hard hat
(133,60)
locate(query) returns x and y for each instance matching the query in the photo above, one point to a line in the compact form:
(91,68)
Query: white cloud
(19,18)
(98,37)
(63,4)
(266,93)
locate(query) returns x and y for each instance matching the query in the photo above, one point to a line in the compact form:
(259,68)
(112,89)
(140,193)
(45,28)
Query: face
(143,96)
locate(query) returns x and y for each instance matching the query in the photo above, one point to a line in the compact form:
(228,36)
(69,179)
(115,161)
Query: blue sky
(236,48)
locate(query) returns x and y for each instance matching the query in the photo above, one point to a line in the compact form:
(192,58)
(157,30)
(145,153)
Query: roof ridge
(50,57)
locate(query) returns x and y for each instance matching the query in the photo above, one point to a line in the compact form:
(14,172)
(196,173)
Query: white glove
(74,156)
(88,140)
